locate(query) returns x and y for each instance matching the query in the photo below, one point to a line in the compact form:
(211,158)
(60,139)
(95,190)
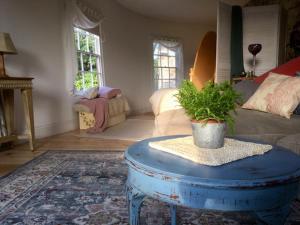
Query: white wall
(128,49)
(261,24)
(36,29)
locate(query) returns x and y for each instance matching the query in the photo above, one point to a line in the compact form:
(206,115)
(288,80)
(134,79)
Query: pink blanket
(99,107)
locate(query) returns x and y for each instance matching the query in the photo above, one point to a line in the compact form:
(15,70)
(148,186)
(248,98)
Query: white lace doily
(231,151)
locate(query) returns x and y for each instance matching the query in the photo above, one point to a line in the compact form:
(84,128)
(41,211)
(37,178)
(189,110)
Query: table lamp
(254,49)
(6,47)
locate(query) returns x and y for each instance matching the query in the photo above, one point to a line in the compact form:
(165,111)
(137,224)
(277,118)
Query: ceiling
(192,11)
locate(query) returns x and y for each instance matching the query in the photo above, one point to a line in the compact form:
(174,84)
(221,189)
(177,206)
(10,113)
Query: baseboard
(55,128)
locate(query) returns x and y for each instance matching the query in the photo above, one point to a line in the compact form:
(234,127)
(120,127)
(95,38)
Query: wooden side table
(7,87)
(262,185)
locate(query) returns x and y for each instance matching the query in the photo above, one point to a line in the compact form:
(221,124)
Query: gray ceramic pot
(208,135)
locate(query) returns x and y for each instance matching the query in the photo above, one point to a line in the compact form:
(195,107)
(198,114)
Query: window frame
(160,67)
(98,54)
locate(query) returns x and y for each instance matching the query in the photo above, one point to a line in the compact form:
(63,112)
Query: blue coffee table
(264,185)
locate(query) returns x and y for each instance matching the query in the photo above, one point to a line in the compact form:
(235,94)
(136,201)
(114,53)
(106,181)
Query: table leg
(135,199)
(28,109)
(173,214)
(8,106)
(276,216)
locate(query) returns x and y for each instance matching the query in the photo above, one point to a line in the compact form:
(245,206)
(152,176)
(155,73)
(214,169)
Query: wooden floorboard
(20,154)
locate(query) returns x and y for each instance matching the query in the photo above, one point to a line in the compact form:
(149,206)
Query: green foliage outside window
(90,80)
(88,60)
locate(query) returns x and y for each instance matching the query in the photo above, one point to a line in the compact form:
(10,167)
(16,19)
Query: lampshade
(6,44)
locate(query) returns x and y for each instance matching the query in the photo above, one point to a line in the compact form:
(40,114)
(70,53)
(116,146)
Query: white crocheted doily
(231,151)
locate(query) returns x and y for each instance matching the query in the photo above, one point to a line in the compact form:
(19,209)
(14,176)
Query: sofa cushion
(265,127)
(164,100)
(291,142)
(172,122)
(255,122)
(246,88)
(297,110)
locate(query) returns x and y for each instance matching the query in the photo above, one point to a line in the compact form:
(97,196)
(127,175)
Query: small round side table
(264,185)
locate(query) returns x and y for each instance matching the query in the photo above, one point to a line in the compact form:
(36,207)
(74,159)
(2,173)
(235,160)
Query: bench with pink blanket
(100,113)
(99,108)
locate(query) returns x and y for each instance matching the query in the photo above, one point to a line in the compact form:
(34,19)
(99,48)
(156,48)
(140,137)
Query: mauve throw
(99,107)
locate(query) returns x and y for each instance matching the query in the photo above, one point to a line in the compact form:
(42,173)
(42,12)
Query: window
(166,57)
(89,60)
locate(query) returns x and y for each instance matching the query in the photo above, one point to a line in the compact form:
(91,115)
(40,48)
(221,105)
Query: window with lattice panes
(89,60)
(164,66)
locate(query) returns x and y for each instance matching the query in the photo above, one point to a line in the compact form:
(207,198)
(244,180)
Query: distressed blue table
(264,185)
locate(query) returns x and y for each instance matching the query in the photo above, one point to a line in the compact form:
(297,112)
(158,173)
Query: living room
(97,80)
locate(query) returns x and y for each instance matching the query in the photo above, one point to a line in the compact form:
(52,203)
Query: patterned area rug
(63,187)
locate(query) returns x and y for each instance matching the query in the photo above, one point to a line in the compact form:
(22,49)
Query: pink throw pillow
(108,92)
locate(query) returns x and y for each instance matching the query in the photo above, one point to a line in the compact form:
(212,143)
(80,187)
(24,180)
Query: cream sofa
(170,119)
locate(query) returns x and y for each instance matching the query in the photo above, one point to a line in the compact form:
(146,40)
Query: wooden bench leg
(28,109)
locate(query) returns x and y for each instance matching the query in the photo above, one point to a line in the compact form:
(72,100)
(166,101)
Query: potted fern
(209,110)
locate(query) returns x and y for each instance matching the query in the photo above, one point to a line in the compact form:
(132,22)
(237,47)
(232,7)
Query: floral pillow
(278,94)
(90,93)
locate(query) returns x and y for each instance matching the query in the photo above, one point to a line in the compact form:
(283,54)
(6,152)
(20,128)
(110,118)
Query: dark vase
(254,49)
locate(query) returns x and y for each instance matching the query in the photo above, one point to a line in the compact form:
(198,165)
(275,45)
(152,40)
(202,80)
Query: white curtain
(175,46)
(82,16)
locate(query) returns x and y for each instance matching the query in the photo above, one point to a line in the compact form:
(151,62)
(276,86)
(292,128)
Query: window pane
(160,84)
(163,50)
(157,73)
(89,62)
(164,64)
(156,48)
(82,39)
(79,62)
(172,62)
(92,47)
(94,63)
(165,84)
(87,80)
(165,73)
(96,79)
(172,73)
(172,53)
(164,61)
(156,61)
(76,36)
(172,83)
(78,83)
(86,62)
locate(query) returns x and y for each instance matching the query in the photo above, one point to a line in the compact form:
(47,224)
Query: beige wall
(36,29)
(128,49)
